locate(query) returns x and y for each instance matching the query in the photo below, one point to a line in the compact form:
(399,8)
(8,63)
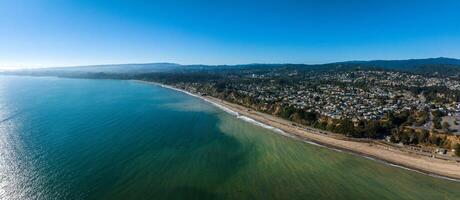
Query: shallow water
(110,139)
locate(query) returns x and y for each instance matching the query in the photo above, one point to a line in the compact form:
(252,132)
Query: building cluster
(358,95)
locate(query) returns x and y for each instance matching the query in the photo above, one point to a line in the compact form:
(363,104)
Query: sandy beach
(393,156)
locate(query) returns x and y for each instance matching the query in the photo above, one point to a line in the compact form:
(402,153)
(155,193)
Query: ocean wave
(319,145)
(197,96)
(227,110)
(242,117)
(255,122)
(281,132)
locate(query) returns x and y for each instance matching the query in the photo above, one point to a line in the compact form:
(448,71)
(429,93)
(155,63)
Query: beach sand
(393,156)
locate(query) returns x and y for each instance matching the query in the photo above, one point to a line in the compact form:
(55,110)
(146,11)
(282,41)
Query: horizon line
(180,64)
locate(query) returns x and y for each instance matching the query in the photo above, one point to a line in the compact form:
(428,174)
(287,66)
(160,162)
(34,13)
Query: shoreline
(381,153)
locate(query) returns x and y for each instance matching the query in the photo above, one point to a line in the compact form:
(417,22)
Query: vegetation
(334,97)
(457,150)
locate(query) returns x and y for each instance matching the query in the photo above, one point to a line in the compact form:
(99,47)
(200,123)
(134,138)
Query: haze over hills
(108,68)
(312,99)
(408,64)
(428,65)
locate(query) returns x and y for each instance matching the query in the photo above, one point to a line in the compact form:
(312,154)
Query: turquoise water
(109,139)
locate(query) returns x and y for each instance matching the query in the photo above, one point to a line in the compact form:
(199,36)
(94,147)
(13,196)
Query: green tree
(423,136)
(445,126)
(371,129)
(346,127)
(330,127)
(457,150)
(434,139)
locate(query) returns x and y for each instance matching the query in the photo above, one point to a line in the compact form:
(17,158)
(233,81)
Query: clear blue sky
(59,32)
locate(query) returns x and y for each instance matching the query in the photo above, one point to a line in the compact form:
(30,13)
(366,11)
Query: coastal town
(225,100)
(405,117)
(419,111)
(348,95)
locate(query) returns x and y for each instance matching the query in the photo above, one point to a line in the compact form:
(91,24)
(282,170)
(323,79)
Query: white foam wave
(212,102)
(238,115)
(255,122)
(277,130)
(222,107)
(316,144)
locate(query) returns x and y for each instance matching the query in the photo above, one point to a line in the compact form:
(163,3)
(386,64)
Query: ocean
(115,139)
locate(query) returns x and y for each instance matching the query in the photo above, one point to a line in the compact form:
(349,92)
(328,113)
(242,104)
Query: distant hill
(408,65)
(411,65)
(110,69)
(118,68)
(438,66)
(431,66)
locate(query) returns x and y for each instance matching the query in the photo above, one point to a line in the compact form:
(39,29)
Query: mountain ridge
(424,65)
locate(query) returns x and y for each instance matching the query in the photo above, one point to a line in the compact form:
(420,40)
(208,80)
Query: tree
(330,127)
(346,127)
(404,137)
(286,112)
(437,123)
(423,136)
(445,126)
(371,129)
(320,125)
(422,118)
(434,139)
(457,150)
(393,139)
(311,116)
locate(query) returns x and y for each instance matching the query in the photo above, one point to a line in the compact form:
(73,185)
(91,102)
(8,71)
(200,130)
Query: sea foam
(281,132)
